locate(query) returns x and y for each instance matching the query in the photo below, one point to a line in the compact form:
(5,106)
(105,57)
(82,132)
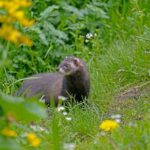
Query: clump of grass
(124,63)
(117,57)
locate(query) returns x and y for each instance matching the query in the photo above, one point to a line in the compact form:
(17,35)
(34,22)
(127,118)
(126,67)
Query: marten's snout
(65,69)
(62,69)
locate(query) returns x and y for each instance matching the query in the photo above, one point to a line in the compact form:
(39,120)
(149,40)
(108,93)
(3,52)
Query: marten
(71,79)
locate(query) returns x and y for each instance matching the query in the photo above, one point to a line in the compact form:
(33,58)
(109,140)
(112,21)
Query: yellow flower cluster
(33,139)
(13,35)
(108,125)
(13,13)
(8,132)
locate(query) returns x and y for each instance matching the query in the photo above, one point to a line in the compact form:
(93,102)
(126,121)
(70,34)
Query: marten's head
(70,65)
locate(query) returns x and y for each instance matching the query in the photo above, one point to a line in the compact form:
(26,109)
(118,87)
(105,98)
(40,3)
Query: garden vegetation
(112,37)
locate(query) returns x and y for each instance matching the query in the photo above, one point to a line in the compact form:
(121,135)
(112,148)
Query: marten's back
(72,79)
(46,85)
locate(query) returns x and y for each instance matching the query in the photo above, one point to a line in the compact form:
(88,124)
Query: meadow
(117,54)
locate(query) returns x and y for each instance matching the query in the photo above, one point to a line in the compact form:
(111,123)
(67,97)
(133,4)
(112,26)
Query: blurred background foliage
(117,55)
(61,27)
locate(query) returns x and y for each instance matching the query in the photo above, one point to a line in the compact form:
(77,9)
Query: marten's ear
(76,61)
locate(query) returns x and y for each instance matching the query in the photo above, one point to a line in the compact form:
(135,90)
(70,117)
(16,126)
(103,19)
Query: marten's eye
(66,66)
(76,61)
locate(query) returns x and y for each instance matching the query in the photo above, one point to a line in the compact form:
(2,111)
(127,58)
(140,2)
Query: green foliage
(61,25)
(127,137)
(55,132)
(118,57)
(7,144)
(3,56)
(17,109)
(30,110)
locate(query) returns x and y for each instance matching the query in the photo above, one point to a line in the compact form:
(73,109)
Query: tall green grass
(118,57)
(61,26)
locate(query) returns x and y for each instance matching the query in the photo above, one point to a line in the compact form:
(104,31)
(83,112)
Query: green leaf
(47,12)
(8,144)
(41,35)
(21,109)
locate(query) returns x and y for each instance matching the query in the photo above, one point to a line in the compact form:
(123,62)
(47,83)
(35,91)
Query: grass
(118,59)
(122,66)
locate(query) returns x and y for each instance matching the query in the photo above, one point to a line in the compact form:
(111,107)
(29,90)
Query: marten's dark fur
(71,79)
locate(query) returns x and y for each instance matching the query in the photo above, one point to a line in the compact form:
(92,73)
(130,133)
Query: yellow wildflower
(36,142)
(33,139)
(26,22)
(13,35)
(8,132)
(25,40)
(18,14)
(14,13)
(7,4)
(6,19)
(31,136)
(108,125)
(1,4)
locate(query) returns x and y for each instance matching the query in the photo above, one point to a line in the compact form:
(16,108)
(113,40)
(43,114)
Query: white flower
(64,113)
(34,127)
(68,118)
(117,116)
(60,108)
(89,36)
(86,41)
(41,128)
(69,146)
(118,120)
(62,98)
(38,128)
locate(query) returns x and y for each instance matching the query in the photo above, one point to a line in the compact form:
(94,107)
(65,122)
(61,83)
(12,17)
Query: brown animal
(71,79)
